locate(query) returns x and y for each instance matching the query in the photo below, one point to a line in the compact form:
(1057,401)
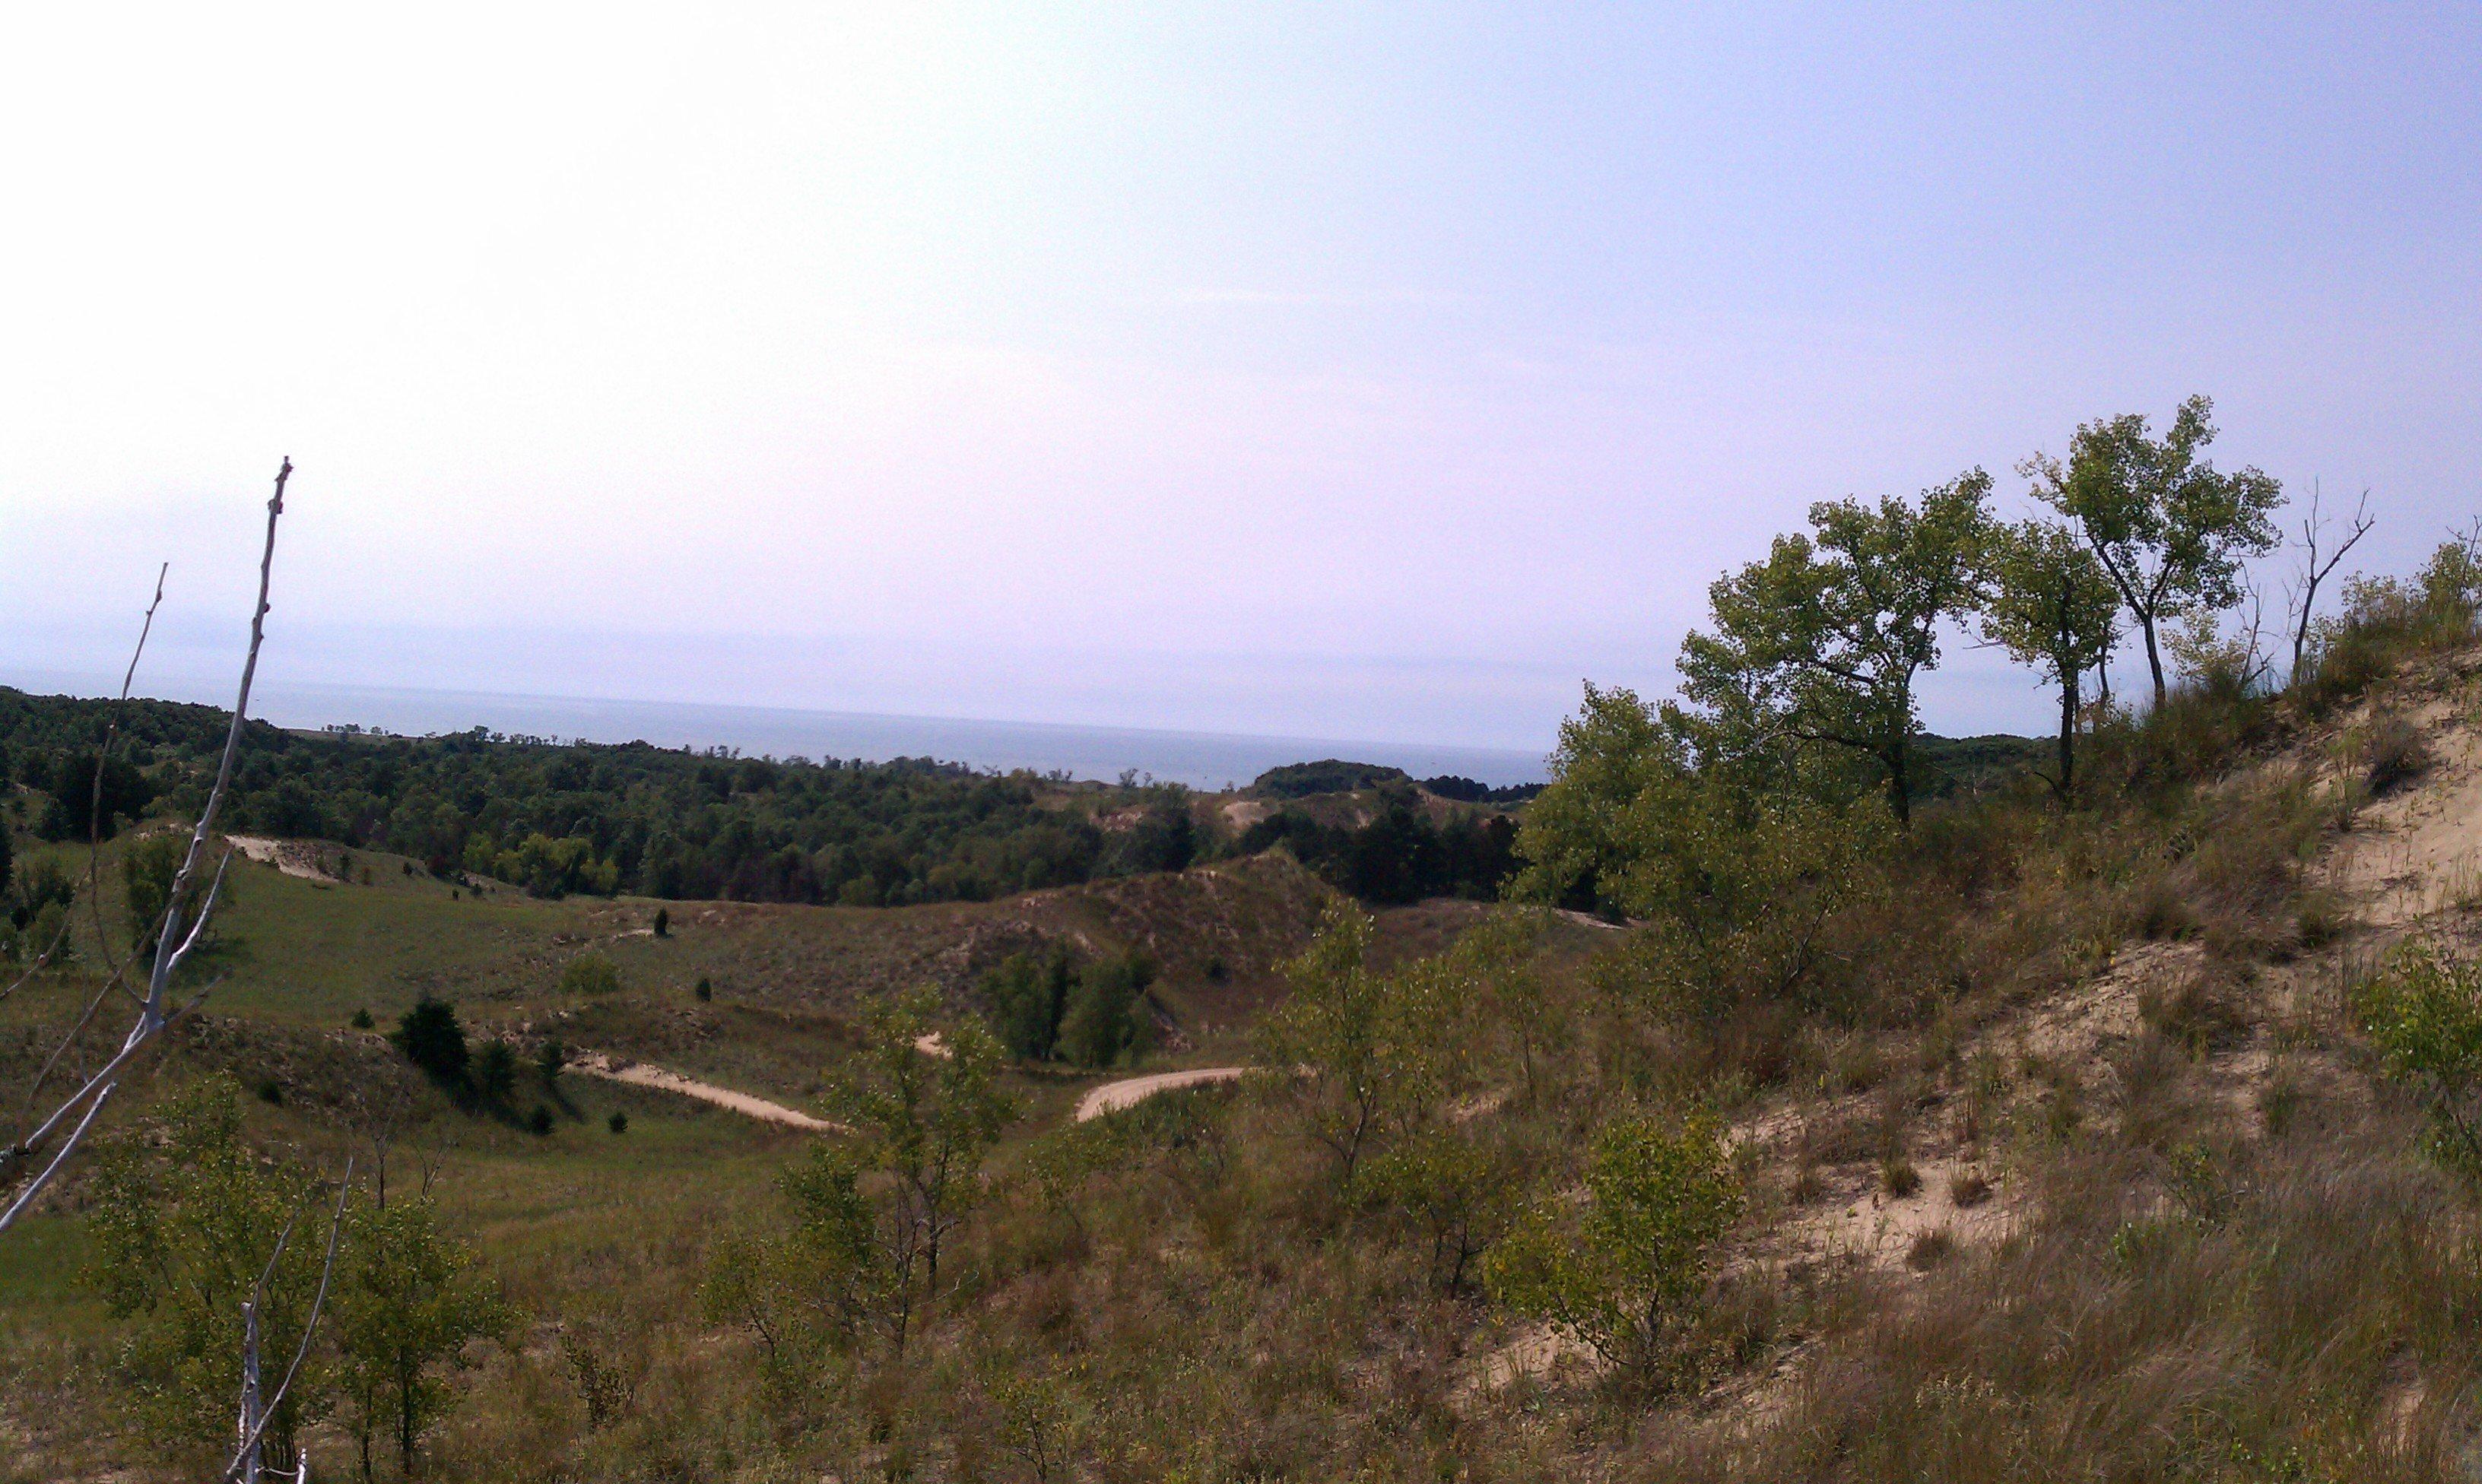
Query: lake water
(1203,759)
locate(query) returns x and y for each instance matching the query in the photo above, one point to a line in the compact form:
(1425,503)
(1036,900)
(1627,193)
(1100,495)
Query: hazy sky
(1324,369)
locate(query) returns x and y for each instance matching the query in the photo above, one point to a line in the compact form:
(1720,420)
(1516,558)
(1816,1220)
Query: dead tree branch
(245,1468)
(2314,528)
(173,946)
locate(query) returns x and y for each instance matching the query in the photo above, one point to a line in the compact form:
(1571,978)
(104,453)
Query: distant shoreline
(1206,760)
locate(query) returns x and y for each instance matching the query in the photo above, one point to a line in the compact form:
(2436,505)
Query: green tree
(495,1072)
(1622,1274)
(408,1300)
(1451,1192)
(148,870)
(1105,1015)
(1371,1053)
(1822,641)
(75,809)
(1500,954)
(183,1225)
(1027,997)
(1043,1413)
(1734,875)
(2050,605)
(926,1101)
(812,1289)
(430,1038)
(2170,531)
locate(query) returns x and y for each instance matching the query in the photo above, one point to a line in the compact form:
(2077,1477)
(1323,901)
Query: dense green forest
(558,817)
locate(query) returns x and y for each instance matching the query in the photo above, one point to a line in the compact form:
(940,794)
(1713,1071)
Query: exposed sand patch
(1533,1355)
(293,857)
(1111,1096)
(1242,812)
(638,1074)
(2418,850)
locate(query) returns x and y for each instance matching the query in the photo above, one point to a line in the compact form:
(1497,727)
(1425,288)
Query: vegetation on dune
(2112,1122)
(1398,853)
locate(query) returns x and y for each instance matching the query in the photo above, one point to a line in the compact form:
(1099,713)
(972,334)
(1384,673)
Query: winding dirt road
(1111,1096)
(638,1074)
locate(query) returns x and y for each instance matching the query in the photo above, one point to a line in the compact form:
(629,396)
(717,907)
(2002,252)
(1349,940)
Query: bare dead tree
(175,939)
(2302,591)
(2257,665)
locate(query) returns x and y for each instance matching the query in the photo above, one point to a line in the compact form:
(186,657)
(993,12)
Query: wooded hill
(581,818)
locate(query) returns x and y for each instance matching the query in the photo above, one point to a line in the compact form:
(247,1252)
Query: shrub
(495,1072)
(589,973)
(539,1120)
(2195,1011)
(617,1122)
(705,990)
(146,872)
(2424,1011)
(2394,752)
(1897,1175)
(430,1038)
(1930,1249)
(1624,1277)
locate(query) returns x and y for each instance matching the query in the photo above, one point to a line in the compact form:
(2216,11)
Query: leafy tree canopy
(2170,531)
(1822,641)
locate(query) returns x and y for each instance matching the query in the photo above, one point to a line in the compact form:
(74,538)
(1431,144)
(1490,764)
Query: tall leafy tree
(2170,531)
(1733,872)
(1822,641)
(929,1107)
(2050,605)
(408,1300)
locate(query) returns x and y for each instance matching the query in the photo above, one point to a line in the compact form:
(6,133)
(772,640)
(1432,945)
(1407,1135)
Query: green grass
(39,1267)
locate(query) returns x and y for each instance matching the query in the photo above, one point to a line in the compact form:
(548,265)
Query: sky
(1325,370)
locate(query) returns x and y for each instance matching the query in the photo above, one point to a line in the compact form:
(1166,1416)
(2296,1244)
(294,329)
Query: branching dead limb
(175,939)
(2305,589)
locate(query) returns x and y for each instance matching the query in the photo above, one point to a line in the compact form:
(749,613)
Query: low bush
(589,974)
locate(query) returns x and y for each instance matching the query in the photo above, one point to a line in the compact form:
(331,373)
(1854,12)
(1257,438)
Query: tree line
(1801,693)
(558,818)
